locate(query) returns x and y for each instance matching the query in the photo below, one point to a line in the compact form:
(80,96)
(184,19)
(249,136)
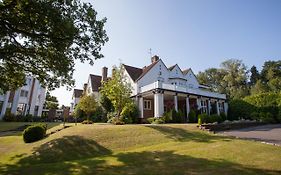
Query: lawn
(137,149)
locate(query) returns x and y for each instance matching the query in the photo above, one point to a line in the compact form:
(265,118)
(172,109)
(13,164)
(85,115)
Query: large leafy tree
(44,38)
(230,79)
(212,77)
(88,105)
(271,75)
(51,102)
(117,90)
(255,76)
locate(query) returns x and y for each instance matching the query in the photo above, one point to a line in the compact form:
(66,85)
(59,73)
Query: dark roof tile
(78,93)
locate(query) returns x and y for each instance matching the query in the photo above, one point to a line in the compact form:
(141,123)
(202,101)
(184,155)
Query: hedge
(34,133)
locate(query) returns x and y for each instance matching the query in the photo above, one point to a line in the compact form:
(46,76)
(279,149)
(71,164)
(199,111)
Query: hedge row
(264,107)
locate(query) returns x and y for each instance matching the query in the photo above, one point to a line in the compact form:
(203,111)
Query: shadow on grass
(179,134)
(78,155)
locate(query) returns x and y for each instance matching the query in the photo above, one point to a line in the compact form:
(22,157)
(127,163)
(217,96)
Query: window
(23,93)
(204,106)
(221,107)
(147,105)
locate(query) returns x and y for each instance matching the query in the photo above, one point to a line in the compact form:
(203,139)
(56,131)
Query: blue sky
(196,34)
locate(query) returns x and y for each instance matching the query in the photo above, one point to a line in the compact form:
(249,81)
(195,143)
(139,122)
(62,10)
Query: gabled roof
(95,81)
(186,71)
(172,67)
(137,73)
(146,69)
(134,72)
(77,93)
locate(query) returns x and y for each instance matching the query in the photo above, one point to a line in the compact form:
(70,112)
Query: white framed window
(204,106)
(23,93)
(147,104)
(221,107)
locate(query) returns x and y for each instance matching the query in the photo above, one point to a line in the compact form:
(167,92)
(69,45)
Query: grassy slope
(137,149)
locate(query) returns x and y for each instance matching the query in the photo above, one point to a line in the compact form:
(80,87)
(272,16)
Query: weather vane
(150,52)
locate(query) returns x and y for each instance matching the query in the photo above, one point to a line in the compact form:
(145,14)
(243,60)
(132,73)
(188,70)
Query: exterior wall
(154,74)
(31,97)
(133,84)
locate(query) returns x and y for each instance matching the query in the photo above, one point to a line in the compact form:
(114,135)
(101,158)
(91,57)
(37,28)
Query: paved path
(265,133)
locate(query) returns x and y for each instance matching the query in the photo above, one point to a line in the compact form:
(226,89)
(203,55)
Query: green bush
(129,113)
(98,115)
(117,121)
(154,120)
(110,116)
(240,109)
(167,116)
(223,116)
(203,118)
(192,117)
(87,122)
(9,117)
(215,118)
(34,133)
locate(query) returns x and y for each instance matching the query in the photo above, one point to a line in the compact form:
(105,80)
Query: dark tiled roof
(78,93)
(186,71)
(134,72)
(95,82)
(172,67)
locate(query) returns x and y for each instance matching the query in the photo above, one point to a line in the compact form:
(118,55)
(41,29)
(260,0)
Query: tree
(259,88)
(230,79)
(44,38)
(271,75)
(212,77)
(117,90)
(88,105)
(51,102)
(106,104)
(235,78)
(255,76)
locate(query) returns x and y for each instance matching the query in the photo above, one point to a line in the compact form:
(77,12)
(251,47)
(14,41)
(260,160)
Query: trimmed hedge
(34,133)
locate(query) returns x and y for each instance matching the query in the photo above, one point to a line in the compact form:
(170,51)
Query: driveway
(266,133)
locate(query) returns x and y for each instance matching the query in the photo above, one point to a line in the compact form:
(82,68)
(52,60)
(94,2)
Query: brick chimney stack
(104,74)
(154,58)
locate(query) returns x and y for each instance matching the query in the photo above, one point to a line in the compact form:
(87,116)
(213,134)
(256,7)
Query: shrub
(167,116)
(110,116)
(34,133)
(154,120)
(240,109)
(192,117)
(223,116)
(215,118)
(129,113)
(9,117)
(202,118)
(87,122)
(117,121)
(98,115)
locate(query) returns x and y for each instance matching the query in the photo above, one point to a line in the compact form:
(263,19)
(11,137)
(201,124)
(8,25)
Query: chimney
(154,58)
(85,88)
(104,74)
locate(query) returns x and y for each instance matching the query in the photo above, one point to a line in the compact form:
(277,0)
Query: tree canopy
(43,38)
(88,105)
(117,89)
(51,102)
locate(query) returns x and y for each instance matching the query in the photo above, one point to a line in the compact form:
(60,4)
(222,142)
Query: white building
(28,99)
(158,89)
(92,86)
(77,94)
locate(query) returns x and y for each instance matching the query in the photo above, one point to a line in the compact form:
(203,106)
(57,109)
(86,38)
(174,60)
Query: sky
(196,34)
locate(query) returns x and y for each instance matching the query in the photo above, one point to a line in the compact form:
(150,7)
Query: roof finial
(150,52)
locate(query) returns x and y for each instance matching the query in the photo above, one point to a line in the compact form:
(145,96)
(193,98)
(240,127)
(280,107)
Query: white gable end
(158,72)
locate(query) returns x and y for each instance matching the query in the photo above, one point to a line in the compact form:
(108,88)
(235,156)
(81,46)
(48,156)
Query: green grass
(137,149)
